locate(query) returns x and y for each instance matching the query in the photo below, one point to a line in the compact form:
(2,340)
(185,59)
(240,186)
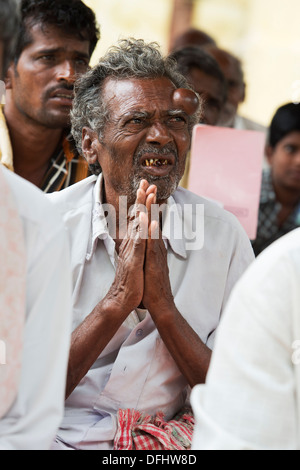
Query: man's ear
(10,74)
(244,89)
(269,151)
(90,145)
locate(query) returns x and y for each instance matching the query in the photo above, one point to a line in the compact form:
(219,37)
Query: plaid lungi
(139,431)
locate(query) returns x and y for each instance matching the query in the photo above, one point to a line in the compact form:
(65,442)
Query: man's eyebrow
(176,112)
(137,113)
(147,114)
(59,50)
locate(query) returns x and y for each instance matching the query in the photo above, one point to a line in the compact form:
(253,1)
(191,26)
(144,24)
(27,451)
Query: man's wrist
(164,311)
(115,305)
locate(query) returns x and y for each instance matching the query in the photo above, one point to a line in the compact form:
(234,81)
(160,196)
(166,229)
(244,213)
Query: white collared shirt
(32,421)
(251,400)
(136,370)
(243,123)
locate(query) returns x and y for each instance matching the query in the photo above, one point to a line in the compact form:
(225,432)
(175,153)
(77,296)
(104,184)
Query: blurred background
(264,34)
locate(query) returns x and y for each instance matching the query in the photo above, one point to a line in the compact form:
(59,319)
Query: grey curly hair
(132,58)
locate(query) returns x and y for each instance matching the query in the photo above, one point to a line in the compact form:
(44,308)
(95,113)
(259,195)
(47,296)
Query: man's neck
(287,197)
(112,199)
(33,146)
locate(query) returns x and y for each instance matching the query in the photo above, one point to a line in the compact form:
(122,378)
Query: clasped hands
(142,275)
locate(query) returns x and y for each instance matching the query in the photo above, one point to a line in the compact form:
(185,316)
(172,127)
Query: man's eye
(232,84)
(177,121)
(82,63)
(46,58)
(290,148)
(214,104)
(135,122)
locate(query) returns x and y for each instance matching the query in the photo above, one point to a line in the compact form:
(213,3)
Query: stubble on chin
(166,185)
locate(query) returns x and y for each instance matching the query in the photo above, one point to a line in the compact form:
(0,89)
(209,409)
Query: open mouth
(156,162)
(158,166)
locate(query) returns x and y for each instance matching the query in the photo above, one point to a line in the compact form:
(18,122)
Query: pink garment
(12,296)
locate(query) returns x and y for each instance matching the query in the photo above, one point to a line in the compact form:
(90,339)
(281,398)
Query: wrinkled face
(147,136)
(212,93)
(235,89)
(285,162)
(40,85)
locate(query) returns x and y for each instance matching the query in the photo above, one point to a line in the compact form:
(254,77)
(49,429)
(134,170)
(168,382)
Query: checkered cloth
(139,431)
(268,230)
(66,167)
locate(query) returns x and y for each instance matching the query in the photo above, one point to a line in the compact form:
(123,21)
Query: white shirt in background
(31,423)
(243,123)
(252,396)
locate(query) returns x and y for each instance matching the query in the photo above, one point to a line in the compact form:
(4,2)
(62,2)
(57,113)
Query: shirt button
(139,333)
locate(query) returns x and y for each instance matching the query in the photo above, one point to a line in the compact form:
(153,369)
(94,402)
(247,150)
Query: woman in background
(279,210)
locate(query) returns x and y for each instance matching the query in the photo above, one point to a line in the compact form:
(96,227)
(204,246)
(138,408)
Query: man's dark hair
(193,56)
(9,21)
(285,121)
(192,37)
(229,59)
(71,16)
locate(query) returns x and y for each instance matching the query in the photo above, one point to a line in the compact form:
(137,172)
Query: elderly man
(54,44)
(147,301)
(35,300)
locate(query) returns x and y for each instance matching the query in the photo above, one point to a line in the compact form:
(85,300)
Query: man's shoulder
(242,122)
(286,247)
(213,211)
(217,232)
(278,265)
(75,196)
(32,204)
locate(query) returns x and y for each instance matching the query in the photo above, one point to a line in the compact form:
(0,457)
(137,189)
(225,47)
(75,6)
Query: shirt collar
(172,230)
(99,223)
(173,227)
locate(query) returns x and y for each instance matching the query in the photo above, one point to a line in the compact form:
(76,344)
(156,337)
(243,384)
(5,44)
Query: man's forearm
(191,355)
(90,338)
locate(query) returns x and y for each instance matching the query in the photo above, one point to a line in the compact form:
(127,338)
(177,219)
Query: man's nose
(66,71)
(159,134)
